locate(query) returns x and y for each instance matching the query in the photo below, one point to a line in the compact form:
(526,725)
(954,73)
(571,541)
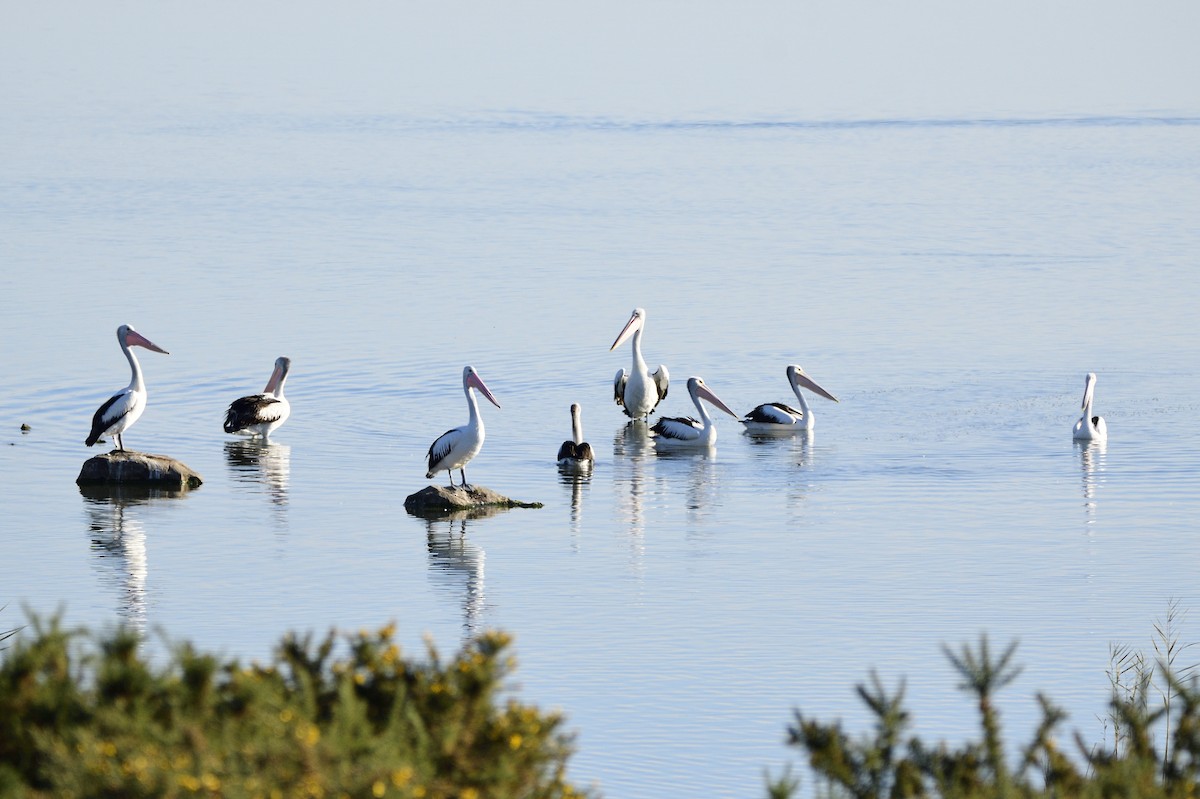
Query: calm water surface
(950,281)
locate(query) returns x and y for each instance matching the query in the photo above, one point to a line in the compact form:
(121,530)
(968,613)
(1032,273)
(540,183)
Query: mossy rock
(138,468)
(443,500)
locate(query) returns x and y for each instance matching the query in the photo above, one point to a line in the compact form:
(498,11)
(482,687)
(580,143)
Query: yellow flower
(401,776)
(515,741)
(378,789)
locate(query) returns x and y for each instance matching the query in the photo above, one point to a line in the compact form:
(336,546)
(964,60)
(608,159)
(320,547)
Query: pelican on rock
(1089,428)
(684,431)
(260,414)
(638,392)
(576,454)
(774,417)
(124,408)
(455,448)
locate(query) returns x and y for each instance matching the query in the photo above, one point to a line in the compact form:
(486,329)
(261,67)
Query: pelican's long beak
(634,324)
(704,392)
(807,382)
(136,339)
(1088,391)
(277,375)
(475,381)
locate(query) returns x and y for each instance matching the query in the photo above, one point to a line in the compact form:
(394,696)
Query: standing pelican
(123,408)
(638,392)
(685,431)
(1089,428)
(261,414)
(575,454)
(454,449)
(777,417)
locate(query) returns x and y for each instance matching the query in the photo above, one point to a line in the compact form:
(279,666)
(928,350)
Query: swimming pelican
(685,431)
(1089,428)
(639,392)
(576,454)
(260,414)
(123,408)
(776,417)
(454,449)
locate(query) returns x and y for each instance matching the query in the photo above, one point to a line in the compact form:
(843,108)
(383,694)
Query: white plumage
(1089,428)
(455,448)
(775,417)
(638,392)
(576,454)
(261,414)
(125,407)
(684,431)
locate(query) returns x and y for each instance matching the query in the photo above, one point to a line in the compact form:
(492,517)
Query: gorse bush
(889,763)
(99,721)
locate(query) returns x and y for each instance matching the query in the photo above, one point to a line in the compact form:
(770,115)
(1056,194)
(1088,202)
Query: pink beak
(474,381)
(705,392)
(136,339)
(626,332)
(810,384)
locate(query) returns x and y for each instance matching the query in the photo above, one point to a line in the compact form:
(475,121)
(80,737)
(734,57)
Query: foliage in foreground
(886,763)
(80,721)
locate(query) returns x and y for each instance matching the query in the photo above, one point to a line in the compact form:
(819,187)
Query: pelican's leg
(463,472)
(120,445)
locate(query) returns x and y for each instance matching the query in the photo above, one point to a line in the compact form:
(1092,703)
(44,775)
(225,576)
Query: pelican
(1089,428)
(777,417)
(576,454)
(686,431)
(639,392)
(122,409)
(454,449)
(260,414)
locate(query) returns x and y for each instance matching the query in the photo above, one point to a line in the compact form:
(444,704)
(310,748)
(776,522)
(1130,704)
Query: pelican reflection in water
(261,465)
(118,536)
(1091,463)
(456,564)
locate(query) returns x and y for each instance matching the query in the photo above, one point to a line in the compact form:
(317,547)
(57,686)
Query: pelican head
(1089,427)
(699,391)
(637,321)
(278,375)
(799,379)
(471,380)
(131,338)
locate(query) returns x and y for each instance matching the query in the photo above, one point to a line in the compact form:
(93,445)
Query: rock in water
(138,467)
(447,499)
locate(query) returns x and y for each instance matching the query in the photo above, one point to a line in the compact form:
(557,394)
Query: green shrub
(80,720)
(889,763)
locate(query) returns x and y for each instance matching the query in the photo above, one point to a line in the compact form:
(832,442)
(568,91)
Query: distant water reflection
(118,534)
(576,483)
(457,564)
(632,451)
(262,466)
(1092,462)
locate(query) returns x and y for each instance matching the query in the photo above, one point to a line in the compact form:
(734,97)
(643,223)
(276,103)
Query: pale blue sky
(808,60)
